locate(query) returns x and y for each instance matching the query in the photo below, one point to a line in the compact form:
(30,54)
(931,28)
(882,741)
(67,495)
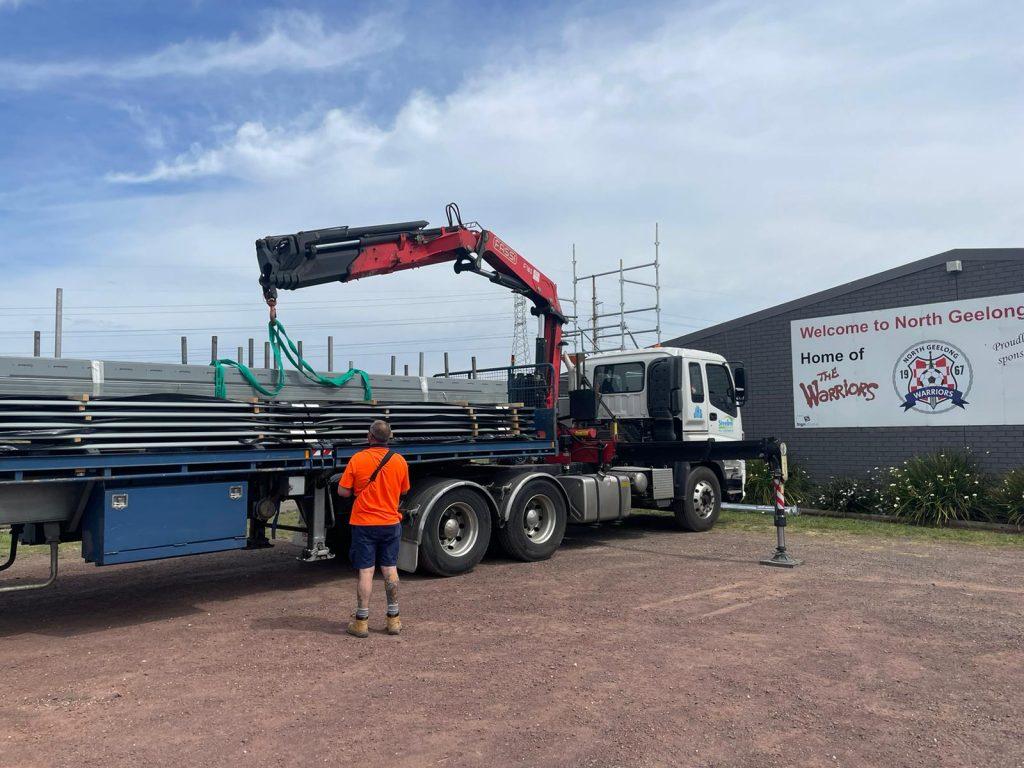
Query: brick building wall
(762,342)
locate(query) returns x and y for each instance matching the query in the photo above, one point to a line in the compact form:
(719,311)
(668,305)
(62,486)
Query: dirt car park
(635,645)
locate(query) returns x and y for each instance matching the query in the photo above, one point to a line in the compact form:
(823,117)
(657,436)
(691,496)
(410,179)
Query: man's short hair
(380,431)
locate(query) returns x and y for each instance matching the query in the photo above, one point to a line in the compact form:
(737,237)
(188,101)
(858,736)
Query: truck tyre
(702,502)
(456,533)
(339,540)
(536,523)
(339,534)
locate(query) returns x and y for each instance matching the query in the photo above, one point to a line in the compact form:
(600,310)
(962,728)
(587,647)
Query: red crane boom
(349,253)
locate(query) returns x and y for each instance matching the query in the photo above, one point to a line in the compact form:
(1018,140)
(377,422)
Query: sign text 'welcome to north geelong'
(954,363)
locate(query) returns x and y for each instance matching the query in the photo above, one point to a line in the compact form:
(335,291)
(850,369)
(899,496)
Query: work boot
(358,627)
(394,625)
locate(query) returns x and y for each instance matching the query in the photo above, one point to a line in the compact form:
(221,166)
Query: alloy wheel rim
(539,518)
(704,499)
(457,529)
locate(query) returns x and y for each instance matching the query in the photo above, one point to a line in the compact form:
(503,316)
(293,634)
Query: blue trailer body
(189,466)
(133,506)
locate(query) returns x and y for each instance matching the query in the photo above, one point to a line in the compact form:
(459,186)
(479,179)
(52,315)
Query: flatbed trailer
(93,498)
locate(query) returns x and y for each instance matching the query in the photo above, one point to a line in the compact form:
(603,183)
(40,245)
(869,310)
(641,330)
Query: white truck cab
(673,394)
(629,384)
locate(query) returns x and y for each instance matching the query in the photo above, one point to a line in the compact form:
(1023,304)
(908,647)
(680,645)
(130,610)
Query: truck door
(722,407)
(695,416)
(663,401)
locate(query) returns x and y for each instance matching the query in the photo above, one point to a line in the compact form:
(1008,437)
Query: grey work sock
(362,613)
(392,609)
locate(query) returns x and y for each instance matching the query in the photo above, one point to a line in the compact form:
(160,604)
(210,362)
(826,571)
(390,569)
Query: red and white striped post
(778,465)
(780,495)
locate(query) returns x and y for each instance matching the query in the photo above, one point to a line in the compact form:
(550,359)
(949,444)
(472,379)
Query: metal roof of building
(962,254)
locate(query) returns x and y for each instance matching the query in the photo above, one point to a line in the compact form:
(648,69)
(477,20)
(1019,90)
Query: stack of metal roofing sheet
(99,378)
(47,405)
(179,421)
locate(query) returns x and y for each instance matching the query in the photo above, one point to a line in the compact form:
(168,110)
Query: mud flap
(408,555)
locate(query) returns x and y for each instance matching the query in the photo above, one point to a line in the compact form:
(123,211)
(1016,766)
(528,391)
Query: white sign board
(948,364)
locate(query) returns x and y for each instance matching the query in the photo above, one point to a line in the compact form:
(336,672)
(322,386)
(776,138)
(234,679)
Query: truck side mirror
(740,378)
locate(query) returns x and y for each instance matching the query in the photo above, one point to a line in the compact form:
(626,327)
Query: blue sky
(783,147)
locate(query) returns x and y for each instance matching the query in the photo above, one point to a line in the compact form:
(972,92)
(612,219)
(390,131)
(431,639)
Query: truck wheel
(699,508)
(536,523)
(456,533)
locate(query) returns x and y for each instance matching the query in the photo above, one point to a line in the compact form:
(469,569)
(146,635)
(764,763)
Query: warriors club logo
(932,377)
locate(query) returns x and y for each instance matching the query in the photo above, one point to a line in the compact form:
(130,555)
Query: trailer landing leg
(316,530)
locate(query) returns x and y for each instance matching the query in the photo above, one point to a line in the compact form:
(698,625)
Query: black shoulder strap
(386,458)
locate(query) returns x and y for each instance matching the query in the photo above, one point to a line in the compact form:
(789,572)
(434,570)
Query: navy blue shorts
(375,545)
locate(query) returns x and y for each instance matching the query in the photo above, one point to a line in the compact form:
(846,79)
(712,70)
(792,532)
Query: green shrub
(761,490)
(935,489)
(847,495)
(1008,497)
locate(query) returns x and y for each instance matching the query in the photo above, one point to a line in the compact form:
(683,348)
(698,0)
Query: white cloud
(291,41)
(783,148)
(268,154)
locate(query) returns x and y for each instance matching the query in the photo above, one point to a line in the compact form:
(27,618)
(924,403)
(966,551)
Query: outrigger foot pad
(781,559)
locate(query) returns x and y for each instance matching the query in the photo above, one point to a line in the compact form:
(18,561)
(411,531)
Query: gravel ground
(634,646)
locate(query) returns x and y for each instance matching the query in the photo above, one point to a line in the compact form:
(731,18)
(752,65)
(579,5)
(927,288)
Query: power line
(260,329)
(408,299)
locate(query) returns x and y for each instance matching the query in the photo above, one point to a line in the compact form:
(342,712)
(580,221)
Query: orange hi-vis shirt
(378,503)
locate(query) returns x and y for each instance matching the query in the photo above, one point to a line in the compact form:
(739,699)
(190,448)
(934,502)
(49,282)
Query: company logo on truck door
(932,377)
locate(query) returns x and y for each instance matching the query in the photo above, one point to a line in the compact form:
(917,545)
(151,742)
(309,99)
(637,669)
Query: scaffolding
(597,335)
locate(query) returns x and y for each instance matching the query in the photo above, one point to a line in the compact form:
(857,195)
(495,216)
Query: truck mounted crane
(343,254)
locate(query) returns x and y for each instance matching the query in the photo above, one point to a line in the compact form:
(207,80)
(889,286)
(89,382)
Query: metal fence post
(37,343)
(446,364)
(394,364)
(58,323)
(330,353)
(252,351)
(213,347)
(184,350)
(266,354)
(422,366)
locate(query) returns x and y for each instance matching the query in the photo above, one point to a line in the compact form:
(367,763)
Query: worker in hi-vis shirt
(378,478)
